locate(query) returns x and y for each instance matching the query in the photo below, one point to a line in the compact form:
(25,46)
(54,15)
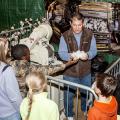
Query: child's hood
(108,108)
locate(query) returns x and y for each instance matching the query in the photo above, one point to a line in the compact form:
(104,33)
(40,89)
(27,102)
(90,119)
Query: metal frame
(114,69)
(60,83)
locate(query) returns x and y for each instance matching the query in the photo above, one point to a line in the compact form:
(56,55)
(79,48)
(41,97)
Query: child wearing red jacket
(105,108)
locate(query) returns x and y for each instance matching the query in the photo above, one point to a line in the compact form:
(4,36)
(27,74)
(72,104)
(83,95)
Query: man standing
(77,42)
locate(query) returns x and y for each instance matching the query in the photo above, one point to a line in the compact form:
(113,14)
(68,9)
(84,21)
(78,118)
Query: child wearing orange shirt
(105,108)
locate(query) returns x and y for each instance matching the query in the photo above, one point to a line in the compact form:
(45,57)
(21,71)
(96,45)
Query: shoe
(70,118)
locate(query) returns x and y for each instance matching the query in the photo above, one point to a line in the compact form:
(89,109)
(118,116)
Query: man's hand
(71,62)
(84,56)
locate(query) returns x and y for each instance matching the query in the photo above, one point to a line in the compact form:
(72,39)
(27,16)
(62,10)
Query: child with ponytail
(36,106)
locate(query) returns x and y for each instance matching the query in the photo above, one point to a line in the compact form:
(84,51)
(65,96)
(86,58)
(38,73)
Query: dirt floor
(80,115)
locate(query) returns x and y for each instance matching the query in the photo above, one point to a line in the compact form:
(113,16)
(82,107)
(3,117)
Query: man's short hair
(18,51)
(106,83)
(77,15)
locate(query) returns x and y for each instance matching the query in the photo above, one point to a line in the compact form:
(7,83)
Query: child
(22,65)
(36,106)
(10,98)
(117,95)
(105,108)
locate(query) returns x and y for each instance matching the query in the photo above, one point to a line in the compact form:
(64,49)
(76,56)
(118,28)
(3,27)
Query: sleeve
(93,49)
(55,69)
(63,51)
(48,69)
(54,113)
(12,88)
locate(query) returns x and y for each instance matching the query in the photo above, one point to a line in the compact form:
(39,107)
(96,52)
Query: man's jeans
(86,80)
(15,116)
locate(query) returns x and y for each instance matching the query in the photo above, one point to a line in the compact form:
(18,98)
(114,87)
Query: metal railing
(60,84)
(114,69)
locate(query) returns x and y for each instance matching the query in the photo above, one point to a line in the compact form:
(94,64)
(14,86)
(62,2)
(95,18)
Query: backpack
(5,67)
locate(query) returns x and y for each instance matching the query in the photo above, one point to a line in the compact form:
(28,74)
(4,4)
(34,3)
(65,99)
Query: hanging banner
(14,11)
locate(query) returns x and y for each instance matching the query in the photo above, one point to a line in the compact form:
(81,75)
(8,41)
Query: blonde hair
(36,82)
(3,49)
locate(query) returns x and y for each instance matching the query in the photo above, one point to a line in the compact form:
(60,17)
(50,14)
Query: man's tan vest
(82,67)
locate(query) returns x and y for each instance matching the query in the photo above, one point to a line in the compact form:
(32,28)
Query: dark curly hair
(18,51)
